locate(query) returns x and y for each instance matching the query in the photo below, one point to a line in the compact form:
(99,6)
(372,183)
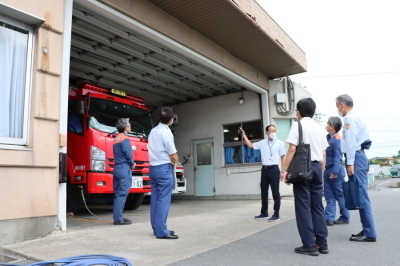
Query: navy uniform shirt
(333,153)
(122,149)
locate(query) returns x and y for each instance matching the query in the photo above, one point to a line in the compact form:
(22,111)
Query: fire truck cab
(92,115)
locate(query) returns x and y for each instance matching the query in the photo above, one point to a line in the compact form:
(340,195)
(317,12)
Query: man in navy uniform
(122,173)
(163,157)
(272,150)
(355,134)
(308,205)
(334,175)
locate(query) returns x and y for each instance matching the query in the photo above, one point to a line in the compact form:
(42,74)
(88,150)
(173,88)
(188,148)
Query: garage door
(109,54)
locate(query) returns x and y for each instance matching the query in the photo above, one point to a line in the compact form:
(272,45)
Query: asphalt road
(275,246)
(222,233)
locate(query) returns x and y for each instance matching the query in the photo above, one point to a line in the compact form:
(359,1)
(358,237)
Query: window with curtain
(14,69)
(235,149)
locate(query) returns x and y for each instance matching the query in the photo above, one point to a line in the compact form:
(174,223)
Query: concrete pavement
(222,233)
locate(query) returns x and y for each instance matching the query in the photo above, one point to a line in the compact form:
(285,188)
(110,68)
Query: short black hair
(306,107)
(335,122)
(165,115)
(266,129)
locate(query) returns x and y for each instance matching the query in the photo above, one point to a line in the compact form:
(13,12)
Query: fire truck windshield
(104,115)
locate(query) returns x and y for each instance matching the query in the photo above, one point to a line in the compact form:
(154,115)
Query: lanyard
(270,147)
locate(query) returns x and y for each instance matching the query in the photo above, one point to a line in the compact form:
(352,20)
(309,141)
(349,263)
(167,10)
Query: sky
(352,47)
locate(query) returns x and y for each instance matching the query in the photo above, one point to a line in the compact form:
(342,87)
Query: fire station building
(219,64)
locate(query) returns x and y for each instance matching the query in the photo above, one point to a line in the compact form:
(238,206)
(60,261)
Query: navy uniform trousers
(270,177)
(122,182)
(309,210)
(162,184)
(361,168)
(333,191)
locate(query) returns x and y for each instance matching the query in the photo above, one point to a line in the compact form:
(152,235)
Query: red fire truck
(92,115)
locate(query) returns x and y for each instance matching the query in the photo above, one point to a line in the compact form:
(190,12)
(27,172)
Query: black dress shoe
(329,223)
(124,222)
(172,233)
(338,221)
(362,238)
(359,234)
(168,237)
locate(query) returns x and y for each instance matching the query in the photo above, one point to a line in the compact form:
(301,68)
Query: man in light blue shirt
(355,134)
(163,157)
(272,151)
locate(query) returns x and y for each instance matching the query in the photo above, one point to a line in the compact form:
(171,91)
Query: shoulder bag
(300,167)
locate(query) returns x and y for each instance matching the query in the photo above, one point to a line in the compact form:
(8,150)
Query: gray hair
(122,123)
(345,99)
(335,122)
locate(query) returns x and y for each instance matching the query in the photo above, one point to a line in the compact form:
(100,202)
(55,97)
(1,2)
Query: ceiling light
(241,99)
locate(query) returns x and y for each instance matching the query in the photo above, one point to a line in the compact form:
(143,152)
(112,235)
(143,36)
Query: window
(75,119)
(15,67)
(104,114)
(236,151)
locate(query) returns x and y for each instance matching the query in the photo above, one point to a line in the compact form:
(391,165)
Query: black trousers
(309,210)
(270,177)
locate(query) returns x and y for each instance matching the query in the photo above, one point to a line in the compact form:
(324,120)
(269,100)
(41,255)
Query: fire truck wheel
(133,201)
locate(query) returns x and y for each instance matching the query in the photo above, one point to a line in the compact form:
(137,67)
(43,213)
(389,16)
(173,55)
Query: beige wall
(155,18)
(278,86)
(29,174)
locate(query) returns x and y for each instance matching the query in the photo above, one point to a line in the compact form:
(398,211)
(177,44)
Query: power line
(350,75)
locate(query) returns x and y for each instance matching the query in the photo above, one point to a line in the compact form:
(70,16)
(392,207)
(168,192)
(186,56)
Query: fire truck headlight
(98,165)
(97,154)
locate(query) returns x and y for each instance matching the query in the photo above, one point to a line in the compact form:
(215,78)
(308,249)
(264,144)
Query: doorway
(204,167)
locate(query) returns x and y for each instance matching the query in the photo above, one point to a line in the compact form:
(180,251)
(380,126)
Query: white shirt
(313,134)
(161,145)
(271,150)
(355,132)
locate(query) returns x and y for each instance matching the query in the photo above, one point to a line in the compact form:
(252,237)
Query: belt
(315,161)
(269,166)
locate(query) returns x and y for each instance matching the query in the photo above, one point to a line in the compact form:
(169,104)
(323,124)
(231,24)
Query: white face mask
(339,113)
(327,127)
(272,136)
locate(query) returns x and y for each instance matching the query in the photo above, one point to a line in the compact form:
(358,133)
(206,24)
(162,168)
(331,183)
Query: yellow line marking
(79,219)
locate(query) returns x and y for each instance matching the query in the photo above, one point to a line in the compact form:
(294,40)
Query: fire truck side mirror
(79,108)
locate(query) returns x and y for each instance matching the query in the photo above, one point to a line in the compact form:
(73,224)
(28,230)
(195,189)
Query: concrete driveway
(221,233)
